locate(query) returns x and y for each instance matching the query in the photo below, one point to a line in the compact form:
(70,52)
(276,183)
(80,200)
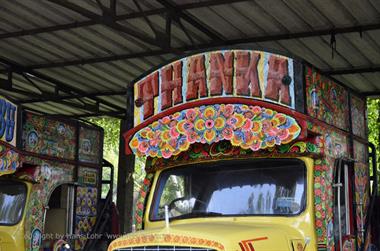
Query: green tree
(373,116)
(111,128)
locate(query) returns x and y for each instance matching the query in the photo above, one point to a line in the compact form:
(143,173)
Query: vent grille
(164,248)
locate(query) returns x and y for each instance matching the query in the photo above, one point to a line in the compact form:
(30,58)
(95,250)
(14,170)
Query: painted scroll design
(326,100)
(140,204)
(225,150)
(9,160)
(166,239)
(249,127)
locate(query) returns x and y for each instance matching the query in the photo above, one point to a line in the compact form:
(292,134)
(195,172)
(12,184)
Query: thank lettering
(147,91)
(275,89)
(171,85)
(196,78)
(221,73)
(247,80)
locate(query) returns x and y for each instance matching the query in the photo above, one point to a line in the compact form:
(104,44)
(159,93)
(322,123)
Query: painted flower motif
(209,135)
(191,114)
(173,132)
(220,123)
(209,123)
(227,133)
(199,125)
(209,112)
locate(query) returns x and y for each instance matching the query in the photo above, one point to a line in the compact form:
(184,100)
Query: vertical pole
(126,170)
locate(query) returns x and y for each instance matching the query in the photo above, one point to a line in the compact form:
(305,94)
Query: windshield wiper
(195,214)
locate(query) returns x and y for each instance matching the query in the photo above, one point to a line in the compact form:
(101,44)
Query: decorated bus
(249,150)
(49,180)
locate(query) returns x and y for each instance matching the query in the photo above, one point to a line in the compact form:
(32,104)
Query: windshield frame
(159,186)
(25,202)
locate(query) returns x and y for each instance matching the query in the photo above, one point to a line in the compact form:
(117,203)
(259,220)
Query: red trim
(301,118)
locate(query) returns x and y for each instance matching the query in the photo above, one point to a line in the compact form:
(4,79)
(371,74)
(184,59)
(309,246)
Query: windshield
(12,201)
(232,188)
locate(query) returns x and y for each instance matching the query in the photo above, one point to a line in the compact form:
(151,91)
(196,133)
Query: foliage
(111,128)
(373,116)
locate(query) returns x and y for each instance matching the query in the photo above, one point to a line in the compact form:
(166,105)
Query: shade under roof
(76,58)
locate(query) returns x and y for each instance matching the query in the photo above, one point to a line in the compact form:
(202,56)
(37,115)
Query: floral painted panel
(358,109)
(250,127)
(10,160)
(49,137)
(326,100)
(323,202)
(361,194)
(90,146)
(86,201)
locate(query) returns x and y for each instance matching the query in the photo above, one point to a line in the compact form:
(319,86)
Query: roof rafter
(60,86)
(177,12)
(266,38)
(158,11)
(108,21)
(63,97)
(353,70)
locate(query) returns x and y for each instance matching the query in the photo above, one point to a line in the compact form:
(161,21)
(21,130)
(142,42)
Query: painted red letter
(247,80)
(171,85)
(276,90)
(147,90)
(196,78)
(221,71)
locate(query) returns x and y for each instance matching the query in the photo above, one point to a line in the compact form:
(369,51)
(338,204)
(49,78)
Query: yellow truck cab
(248,151)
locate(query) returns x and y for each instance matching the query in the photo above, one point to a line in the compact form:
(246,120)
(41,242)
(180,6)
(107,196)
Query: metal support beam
(158,11)
(266,38)
(353,70)
(125,171)
(60,85)
(63,97)
(176,11)
(108,21)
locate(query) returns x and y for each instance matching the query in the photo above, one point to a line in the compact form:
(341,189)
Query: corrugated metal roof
(77,57)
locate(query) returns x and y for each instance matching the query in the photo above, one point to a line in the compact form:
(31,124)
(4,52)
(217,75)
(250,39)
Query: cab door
(344,183)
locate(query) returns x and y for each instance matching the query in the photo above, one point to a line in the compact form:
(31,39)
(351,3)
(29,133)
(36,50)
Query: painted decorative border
(323,207)
(249,127)
(140,204)
(225,150)
(166,239)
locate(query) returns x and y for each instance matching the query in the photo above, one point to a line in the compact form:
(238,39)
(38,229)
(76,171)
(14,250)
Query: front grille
(164,248)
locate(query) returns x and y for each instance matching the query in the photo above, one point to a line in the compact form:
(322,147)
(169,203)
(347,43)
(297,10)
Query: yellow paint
(224,233)
(13,237)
